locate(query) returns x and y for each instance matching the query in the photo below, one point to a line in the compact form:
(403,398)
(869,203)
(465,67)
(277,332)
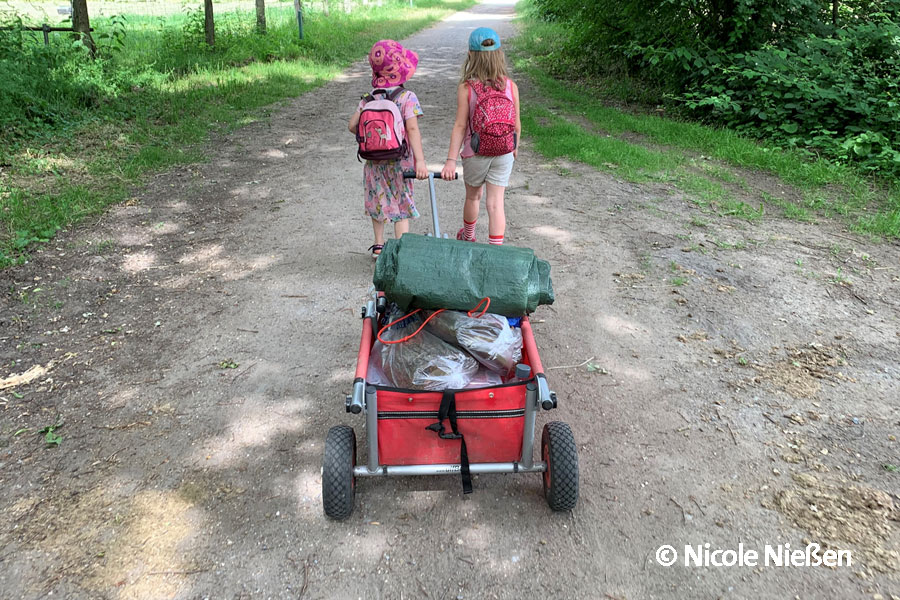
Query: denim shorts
(491,169)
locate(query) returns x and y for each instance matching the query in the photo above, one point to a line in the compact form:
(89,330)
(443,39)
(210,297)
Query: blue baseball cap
(478,37)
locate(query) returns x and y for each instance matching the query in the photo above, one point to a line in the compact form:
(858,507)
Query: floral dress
(389,197)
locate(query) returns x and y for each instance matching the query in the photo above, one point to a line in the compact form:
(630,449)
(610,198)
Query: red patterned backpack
(493,121)
(381,133)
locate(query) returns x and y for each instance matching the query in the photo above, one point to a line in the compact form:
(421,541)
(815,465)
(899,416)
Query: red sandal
(460,235)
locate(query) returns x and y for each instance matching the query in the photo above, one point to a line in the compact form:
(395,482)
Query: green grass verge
(169,92)
(659,143)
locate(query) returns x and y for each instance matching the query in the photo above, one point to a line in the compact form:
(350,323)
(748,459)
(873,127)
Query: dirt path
(739,389)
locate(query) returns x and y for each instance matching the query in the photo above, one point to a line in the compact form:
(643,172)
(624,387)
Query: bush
(837,96)
(786,70)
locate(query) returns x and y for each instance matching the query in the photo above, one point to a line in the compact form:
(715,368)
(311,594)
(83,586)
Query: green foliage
(786,70)
(582,126)
(835,96)
(152,96)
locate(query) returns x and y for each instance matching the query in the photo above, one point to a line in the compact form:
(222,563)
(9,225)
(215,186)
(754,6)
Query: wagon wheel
(561,477)
(338,481)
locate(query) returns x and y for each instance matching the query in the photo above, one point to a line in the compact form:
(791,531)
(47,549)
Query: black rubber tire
(338,482)
(561,477)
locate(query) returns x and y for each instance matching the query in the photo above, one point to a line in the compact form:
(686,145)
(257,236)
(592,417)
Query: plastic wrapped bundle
(375,374)
(484,378)
(488,338)
(418,271)
(424,362)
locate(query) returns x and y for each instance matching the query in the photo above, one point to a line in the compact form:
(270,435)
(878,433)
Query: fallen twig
(305,577)
(186,572)
(23,378)
(247,330)
(769,417)
(571,366)
(683,513)
(242,373)
(700,508)
(731,431)
(126,426)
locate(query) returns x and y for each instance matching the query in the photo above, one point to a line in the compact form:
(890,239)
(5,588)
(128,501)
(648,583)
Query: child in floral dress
(389,197)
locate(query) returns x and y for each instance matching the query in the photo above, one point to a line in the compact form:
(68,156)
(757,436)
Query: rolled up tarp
(419,271)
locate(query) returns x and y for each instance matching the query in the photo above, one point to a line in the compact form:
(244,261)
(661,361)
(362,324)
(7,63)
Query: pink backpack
(493,121)
(381,133)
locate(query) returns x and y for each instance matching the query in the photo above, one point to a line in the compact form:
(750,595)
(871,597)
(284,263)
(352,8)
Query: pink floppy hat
(392,64)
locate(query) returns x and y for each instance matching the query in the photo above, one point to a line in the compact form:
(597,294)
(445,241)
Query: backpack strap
(393,95)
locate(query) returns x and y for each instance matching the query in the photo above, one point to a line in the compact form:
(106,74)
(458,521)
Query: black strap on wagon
(448,411)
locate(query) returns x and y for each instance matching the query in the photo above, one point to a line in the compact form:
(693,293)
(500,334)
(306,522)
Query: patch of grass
(742,210)
(702,191)
(698,222)
(164,93)
(739,245)
(556,137)
(839,278)
(789,210)
(678,281)
(646,263)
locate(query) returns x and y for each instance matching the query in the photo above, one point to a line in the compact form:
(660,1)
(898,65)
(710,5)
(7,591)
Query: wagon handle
(431,177)
(436,174)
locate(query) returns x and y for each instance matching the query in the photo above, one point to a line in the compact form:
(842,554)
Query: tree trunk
(208,24)
(261,16)
(81,23)
(834,12)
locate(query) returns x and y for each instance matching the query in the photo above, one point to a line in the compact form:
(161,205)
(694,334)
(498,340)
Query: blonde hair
(488,67)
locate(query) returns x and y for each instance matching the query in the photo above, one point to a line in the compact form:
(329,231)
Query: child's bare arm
(354,122)
(459,131)
(415,141)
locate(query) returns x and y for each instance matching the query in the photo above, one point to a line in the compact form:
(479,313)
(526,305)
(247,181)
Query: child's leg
(473,202)
(496,214)
(470,211)
(401,227)
(378,227)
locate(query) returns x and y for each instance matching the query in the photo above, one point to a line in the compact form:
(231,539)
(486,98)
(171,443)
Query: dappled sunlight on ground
(149,560)
(131,549)
(164,228)
(138,261)
(273,153)
(618,326)
(534,199)
(202,255)
(254,424)
(554,233)
(134,237)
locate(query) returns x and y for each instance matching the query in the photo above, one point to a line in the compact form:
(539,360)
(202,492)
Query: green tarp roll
(419,271)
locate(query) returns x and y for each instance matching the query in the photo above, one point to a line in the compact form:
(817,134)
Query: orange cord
(487,304)
(486,301)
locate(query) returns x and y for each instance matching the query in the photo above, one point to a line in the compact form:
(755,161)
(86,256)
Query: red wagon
(462,432)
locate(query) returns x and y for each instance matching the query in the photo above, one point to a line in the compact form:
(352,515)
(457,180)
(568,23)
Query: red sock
(497,240)
(469,230)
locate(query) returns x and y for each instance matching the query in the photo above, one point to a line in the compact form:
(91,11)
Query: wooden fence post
(208,24)
(261,16)
(81,24)
(298,8)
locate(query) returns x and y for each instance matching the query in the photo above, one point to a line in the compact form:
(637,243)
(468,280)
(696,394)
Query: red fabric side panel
(407,442)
